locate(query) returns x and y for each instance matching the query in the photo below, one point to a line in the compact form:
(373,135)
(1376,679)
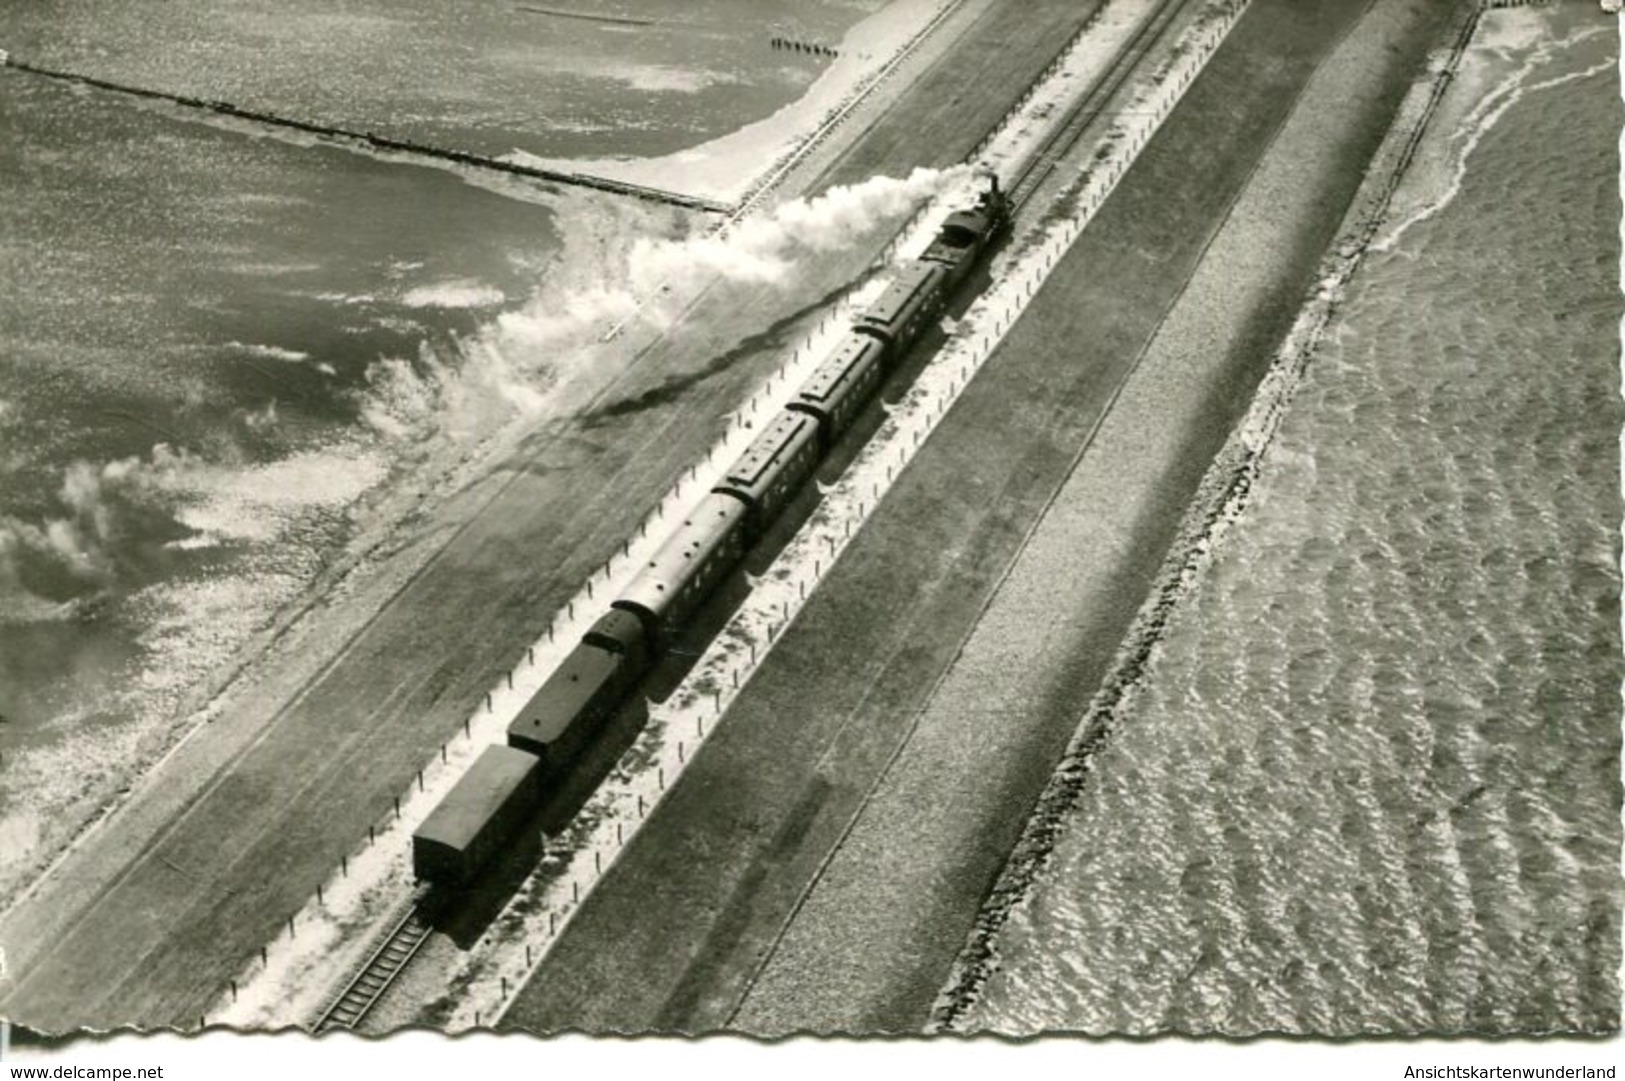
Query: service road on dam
(819,864)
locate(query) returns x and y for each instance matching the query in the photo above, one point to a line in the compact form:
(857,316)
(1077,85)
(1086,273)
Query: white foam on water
(1515,36)
(462,293)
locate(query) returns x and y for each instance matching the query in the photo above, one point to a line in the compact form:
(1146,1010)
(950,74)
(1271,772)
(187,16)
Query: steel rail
(379,971)
(1091,106)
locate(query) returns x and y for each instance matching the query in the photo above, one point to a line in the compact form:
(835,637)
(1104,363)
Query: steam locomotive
(507,783)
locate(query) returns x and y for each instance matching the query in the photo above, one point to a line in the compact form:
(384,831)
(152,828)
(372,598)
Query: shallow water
(489,78)
(1371,783)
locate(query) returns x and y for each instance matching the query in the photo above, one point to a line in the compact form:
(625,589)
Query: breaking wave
(269,352)
(457,294)
(1483,118)
(114,524)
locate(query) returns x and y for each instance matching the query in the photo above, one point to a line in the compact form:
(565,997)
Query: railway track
(1087,109)
(380,970)
(385,964)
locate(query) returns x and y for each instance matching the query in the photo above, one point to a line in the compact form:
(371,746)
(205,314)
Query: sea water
(1371,781)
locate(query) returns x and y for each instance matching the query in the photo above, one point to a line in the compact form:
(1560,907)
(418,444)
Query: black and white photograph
(945,519)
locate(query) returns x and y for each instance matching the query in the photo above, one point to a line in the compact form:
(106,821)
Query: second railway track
(1089,107)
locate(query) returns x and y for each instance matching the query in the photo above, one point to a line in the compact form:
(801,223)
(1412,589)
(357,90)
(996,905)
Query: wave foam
(453,294)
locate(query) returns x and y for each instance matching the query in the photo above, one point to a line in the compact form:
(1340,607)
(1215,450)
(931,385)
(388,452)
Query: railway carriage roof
(838,366)
(551,709)
(901,292)
(487,786)
(780,438)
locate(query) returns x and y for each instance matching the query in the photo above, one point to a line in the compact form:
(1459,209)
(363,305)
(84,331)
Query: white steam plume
(508,368)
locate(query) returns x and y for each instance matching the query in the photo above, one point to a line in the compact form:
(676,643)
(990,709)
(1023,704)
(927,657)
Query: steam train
(507,783)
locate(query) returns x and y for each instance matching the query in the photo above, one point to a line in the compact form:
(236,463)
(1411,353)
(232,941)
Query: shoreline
(731,169)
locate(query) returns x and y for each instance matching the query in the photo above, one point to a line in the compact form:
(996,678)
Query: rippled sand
(1372,781)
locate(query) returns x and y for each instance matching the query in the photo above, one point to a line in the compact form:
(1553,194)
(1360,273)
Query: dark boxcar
(560,718)
(837,390)
(905,307)
(771,471)
(477,817)
(686,567)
